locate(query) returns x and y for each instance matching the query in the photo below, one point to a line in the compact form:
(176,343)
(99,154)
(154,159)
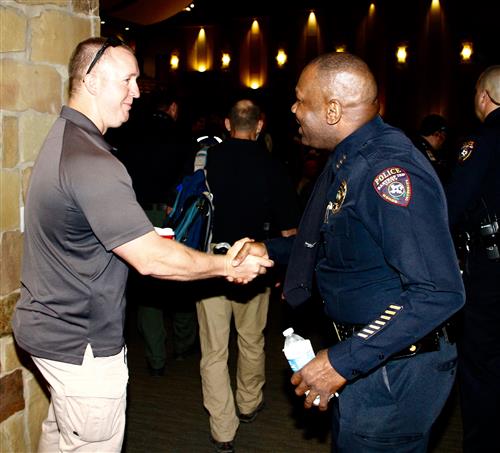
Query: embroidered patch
(340,197)
(394,186)
(375,326)
(466,150)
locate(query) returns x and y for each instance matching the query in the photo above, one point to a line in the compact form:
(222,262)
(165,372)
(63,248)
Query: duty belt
(429,343)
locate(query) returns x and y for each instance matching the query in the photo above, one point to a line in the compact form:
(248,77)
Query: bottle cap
(288,331)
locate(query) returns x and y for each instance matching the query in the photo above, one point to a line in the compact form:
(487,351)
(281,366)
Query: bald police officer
(375,235)
(474,206)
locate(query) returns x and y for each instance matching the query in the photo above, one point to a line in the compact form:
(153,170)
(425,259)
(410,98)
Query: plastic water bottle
(298,352)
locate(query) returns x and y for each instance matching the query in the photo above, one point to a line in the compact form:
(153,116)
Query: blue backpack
(192,214)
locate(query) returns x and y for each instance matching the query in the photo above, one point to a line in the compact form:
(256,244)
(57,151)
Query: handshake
(245,260)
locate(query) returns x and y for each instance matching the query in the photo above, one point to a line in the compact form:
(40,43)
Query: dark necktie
(303,257)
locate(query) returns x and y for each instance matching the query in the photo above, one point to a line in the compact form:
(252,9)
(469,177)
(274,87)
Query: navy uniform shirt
(388,260)
(474,189)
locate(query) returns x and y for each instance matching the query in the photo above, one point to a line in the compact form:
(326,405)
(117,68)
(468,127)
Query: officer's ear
(227,124)
(333,111)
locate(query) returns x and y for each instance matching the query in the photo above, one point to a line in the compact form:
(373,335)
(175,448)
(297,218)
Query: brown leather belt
(429,343)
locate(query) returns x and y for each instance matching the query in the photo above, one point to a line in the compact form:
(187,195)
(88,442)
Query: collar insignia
(340,197)
(393,185)
(466,150)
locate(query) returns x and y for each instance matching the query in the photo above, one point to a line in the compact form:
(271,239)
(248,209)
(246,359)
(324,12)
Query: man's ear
(227,124)
(173,110)
(333,112)
(90,83)
(260,125)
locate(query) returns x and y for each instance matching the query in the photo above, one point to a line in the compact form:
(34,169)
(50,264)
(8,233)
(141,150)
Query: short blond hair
(82,57)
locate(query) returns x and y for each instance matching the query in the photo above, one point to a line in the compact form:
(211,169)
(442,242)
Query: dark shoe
(222,447)
(249,418)
(157,372)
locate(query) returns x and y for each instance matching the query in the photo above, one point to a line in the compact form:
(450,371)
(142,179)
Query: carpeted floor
(166,414)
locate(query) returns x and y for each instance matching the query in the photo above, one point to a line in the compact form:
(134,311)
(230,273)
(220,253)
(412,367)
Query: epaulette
(466,150)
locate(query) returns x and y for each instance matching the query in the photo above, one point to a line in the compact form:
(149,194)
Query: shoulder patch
(394,186)
(466,150)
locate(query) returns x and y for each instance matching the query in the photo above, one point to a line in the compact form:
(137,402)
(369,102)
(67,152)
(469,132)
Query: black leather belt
(429,343)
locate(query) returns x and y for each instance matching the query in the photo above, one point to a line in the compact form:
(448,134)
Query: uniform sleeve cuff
(341,359)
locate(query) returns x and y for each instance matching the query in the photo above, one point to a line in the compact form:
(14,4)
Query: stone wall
(36,40)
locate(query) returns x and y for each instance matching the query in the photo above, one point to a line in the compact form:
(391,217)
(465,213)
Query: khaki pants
(87,404)
(214,318)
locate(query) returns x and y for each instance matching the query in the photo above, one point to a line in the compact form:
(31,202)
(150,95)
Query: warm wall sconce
(341,48)
(255,84)
(281,57)
(435,5)
(312,24)
(225,60)
(255,27)
(174,61)
(201,56)
(466,52)
(401,54)
(253,58)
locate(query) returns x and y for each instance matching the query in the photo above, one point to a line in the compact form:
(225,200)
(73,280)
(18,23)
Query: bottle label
(299,354)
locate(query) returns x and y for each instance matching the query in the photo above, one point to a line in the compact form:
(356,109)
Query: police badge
(466,150)
(340,197)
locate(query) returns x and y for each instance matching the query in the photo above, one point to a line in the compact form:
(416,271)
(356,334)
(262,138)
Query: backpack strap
(200,160)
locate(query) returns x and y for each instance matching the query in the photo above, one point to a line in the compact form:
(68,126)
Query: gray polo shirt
(80,206)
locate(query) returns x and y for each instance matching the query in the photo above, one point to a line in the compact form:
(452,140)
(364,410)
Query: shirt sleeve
(407,218)
(102,188)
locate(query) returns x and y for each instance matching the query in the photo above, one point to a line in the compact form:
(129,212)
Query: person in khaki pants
(253,197)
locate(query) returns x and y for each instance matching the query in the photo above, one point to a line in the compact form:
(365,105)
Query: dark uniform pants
(479,355)
(394,408)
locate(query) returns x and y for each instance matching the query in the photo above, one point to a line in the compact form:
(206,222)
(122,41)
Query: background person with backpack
(156,149)
(252,197)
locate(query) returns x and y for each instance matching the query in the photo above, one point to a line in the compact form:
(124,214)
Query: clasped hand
(243,266)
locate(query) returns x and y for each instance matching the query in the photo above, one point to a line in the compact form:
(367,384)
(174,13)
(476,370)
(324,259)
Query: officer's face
(310,110)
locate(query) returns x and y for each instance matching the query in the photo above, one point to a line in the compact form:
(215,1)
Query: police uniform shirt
(388,260)
(475,183)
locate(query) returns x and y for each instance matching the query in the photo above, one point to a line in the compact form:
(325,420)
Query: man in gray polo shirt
(83,228)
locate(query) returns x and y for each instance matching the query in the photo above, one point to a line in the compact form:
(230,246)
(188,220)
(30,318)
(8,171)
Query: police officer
(430,140)
(375,234)
(474,206)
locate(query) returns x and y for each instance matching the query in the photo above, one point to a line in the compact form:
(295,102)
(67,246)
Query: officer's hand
(250,247)
(320,378)
(247,268)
